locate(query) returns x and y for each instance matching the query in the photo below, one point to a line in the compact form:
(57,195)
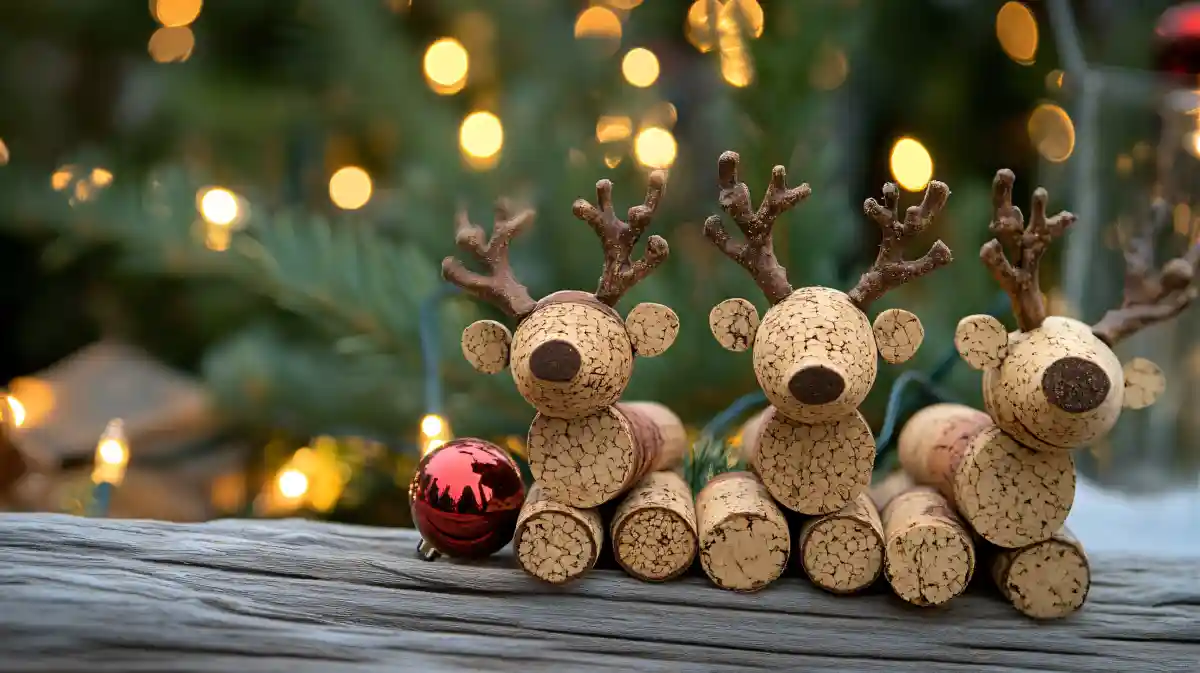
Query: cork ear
(733,322)
(652,329)
(1144,382)
(982,341)
(898,335)
(485,344)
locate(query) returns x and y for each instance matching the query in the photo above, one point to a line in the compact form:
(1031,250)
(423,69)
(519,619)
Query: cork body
(815,326)
(1018,394)
(585,462)
(554,542)
(654,534)
(1045,580)
(744,539)
(811,468)
(843,552)
(603,356)
(1009,494)
(928,553)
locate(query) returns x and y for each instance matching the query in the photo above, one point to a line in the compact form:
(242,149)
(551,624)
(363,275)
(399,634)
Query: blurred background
(222,221)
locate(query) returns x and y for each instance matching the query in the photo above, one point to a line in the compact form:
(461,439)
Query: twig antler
(501,288)
(1151,295)
(1020,281)
(618,238)
(890,269)
(757,254)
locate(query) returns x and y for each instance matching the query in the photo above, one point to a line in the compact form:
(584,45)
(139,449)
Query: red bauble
(465,498)
(1177,44)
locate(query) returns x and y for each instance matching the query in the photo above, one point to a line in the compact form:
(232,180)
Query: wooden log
(843,552)
(929,556)
(1046,580)
(1009,494)
(586,462)
(744,539)
(654,528)
(108,596)
(810,468)
(556,543)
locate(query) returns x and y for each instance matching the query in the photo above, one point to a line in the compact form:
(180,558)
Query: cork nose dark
(816,384)
(555,360)
(1075,385)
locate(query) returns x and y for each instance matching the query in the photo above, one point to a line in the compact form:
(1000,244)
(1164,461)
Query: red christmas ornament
(465,497)
(1177,43)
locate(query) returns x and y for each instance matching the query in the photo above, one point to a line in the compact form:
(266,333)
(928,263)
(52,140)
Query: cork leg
(928,553)
(658,434)
(654,528)
(1045,580)
(583,462)
(744,539)
(843,552)
(554,542)
(811,468)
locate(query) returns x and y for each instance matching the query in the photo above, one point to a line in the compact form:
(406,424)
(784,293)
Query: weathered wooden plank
(110,595)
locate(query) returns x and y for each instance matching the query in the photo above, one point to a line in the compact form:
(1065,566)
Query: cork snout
(816,382)
(1075,385)
(556,360)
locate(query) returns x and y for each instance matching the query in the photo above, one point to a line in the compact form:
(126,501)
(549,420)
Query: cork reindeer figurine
(572,354)
(1051,386)
(814,350)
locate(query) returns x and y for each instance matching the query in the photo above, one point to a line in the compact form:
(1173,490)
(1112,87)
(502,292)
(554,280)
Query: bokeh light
(1017,31)
(3,152)
(1052,132)
(601,25)
(219,206)
(292,484)
(446,66)
(101,177)
(655,147)
(697,29)
(746,12)
(481,136)
(640,67)
(171,45)
(830,69)
(911,164)
(611,128)
(175,13)
(350,188)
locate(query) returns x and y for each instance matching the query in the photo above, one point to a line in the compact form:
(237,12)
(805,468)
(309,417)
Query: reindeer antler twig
(1151,295)
(1030,242)
(890,269)
(618,238)
(757,254)
(501,288)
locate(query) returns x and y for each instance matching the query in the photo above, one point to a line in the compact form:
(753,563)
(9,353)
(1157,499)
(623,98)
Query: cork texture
(1144,382)
(652,329)
(816,325)
(659,436)
(554,542)
(898,335)
(744,539)
(734,322)
(485,344)
(937,436)
(843,552)
(811,468)
(981,341)
(654,528)
(605,353)
(928,553)
(1016,397)
(1045,580)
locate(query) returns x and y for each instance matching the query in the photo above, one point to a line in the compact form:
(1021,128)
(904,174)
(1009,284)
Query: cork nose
(816,383)
(556,361)
(1075,385)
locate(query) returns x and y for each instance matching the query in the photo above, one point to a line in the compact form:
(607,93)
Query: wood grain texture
(109,595)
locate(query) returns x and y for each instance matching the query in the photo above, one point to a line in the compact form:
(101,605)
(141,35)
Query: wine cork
(654,528)
(810,468)
(744,539)
(1046,580)
(843,552)
(554,542)
(586,462)
(1011,495)
(889,487)
(928,554)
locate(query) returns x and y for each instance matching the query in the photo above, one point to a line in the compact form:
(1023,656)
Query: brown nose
(1075,385)
(816,384)
(555,360)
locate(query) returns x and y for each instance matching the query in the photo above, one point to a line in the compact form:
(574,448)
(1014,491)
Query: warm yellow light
(61,178)
(612,159)
(432,445)
(3,152)
(350,188)
(601,24)
(175,13)
(911,164)
(446,66)
(736,66)
(112,454)
(481,135)
(751,13)
(217,237)
(697,28)
(219,206)
(1052,132)
(640,67)
(169,45)
(83,190)
(16,411)
(655,147)
(293,484)
(1054,79)
(432,425)
(736,69)
(1017,30)
(101,177)
(613,128)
